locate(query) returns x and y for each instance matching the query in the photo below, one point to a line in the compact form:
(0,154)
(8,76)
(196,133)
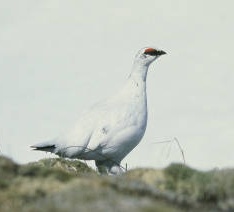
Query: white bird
(110,129)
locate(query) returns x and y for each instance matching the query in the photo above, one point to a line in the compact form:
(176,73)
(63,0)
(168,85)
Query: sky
(60,57)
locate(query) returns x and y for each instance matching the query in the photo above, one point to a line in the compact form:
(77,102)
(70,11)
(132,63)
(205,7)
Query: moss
(8,169)
(58,168)
(207,186)
(179,172)
(73,167)
(70,185)
(41,172)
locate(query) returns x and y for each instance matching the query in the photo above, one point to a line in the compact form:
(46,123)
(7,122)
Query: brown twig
(178,143)
(181,150)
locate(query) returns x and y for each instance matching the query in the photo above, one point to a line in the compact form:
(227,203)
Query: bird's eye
(151,51)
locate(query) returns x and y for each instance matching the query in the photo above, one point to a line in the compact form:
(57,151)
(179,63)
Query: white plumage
(110,129)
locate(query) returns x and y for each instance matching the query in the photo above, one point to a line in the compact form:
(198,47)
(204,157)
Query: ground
(58,184)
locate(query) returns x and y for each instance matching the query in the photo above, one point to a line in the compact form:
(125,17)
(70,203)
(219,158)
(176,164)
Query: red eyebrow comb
(150,50)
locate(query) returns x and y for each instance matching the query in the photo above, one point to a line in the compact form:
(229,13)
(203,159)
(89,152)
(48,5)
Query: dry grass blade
(178,144)
(181,150)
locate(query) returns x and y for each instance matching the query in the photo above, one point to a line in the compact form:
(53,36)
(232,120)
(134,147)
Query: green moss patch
(70,185)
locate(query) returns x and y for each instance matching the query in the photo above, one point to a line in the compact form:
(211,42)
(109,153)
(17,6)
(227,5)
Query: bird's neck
(139,73)
(136,83)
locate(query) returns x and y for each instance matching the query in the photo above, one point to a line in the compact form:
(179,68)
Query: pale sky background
(60,57)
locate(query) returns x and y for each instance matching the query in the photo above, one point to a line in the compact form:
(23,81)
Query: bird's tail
(48,146)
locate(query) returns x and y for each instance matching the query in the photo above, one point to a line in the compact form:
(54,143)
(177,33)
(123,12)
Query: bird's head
(147,55)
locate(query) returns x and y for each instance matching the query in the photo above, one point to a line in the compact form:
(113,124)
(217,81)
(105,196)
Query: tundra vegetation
(57,184)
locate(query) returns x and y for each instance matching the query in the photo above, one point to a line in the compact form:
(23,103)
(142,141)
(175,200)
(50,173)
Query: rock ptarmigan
(110,129)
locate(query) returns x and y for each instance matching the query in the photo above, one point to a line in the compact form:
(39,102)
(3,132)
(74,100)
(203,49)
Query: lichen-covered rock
(58,184)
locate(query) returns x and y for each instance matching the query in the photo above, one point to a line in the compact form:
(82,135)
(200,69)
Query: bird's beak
(161,52)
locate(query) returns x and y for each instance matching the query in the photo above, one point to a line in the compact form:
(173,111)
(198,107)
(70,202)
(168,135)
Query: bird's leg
(115,170)
(102,169)
(109,167)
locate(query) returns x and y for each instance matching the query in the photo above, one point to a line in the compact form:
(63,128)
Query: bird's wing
(116,124)
(83,130)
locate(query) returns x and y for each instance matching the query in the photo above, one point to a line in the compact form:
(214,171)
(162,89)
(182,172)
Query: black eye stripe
(152,52)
